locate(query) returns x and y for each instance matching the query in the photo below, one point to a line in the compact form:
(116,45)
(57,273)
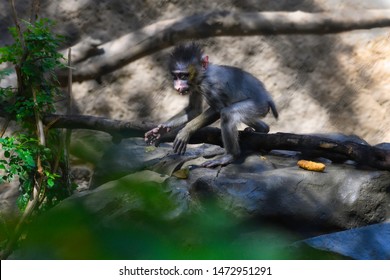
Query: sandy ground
(332,83)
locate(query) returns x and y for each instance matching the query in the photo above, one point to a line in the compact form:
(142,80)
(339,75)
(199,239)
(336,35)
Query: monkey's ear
(205,62)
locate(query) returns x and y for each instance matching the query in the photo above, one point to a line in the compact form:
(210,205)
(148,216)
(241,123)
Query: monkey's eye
(180,75)
(183,76)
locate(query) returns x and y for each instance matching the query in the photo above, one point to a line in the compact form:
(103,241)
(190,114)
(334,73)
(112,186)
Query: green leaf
(22,201)
(50,182)
(38,76)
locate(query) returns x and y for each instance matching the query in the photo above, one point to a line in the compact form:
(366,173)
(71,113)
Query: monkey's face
(181,81)
(185,75)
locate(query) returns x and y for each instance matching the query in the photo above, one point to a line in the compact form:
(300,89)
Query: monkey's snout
(182,90)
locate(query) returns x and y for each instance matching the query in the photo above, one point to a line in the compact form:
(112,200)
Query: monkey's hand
(153,135)
(181,140)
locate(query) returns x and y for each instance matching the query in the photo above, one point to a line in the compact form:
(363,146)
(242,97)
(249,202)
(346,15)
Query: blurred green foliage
(137,221)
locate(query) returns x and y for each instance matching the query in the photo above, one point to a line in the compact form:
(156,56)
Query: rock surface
(270,186)
(365,243)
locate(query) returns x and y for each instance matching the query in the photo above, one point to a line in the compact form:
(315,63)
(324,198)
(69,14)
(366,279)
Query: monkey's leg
(230,117)
(248,112)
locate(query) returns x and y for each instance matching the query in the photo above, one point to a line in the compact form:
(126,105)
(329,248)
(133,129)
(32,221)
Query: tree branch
(324,146)
(315,145)
(113,127)
(145,41)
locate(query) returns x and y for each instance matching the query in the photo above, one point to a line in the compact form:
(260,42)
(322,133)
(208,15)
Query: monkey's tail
(273,109)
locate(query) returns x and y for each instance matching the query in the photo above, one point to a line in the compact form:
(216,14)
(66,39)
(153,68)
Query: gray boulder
(270,186)
(365,243)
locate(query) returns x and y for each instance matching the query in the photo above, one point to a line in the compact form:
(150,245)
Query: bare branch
(35,6)
(145,41)
(68,132)
(113,127)
(312,144)
(17,25)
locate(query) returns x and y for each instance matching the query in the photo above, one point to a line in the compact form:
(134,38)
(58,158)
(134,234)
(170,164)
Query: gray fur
(235,96)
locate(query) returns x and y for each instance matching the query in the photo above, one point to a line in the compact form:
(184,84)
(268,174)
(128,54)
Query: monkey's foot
(224,160)
(261,129)
(249,129)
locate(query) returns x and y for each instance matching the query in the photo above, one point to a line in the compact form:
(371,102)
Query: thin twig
(17,25)
(18,66)
(35,6)
(68,132)
(19,227)
(5,126)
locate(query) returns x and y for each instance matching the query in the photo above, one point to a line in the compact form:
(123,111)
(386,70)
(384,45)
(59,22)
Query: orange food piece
(311,165)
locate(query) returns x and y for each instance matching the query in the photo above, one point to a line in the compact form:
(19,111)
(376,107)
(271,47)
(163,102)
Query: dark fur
(190,53)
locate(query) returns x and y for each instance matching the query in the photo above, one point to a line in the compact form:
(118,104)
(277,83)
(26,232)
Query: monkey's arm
(193,109)
(206,118)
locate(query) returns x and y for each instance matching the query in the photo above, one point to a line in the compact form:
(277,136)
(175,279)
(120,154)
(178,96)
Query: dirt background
(320,84)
